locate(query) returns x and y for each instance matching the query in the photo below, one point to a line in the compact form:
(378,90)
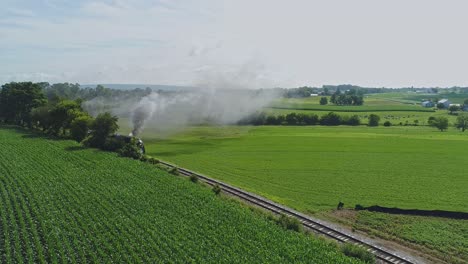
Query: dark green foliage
(374,120)
(440,123)
(130,150)
(351,97)
(174,171)
(440,106)
(387,123)
(62,115)
(40,117)
(353,120)
(307,119)
(330,119)
(291,119)
(271,120)
(194,178)
(340,206)
(17,100)
(290,223)
(355,251)
(462,121)
(430,120)
(323,101)
(144,158)
(79,127)
(216,189)
(453,108)
(102,127)
(359,207)
(152,160)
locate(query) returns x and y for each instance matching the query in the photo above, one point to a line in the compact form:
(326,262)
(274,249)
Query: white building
(445,102)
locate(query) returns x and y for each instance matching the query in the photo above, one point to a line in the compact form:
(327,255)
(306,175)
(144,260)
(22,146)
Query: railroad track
(380,253)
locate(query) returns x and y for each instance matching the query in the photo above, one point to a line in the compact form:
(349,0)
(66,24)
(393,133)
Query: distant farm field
(60,203)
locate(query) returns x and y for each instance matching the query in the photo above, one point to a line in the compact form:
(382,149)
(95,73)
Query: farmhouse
(427,104)
(445,102)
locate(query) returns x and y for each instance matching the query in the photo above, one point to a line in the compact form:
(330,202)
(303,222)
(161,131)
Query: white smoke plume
(221,99)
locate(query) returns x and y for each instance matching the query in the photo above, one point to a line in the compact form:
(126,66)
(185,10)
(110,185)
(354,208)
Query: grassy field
(313,168)
(60,203)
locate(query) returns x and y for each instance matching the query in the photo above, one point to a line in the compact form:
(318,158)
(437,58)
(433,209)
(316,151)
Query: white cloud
(299,42)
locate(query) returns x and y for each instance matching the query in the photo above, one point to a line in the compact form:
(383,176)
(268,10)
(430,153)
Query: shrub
(152,160)
(355,251)
(290,223)
(359,207)
(130,150)
(113,144)
(174,170)
(79,127)
(291,119)
(440,123)
(387,123)
(216,189)
(353,120)
(194,178)
(374,120)
(330,119)
(340,206)
(323,101)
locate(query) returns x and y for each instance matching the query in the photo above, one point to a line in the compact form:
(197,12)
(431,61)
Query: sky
(255,43)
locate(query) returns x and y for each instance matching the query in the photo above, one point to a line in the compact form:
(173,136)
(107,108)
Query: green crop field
(60,203)
(313,168)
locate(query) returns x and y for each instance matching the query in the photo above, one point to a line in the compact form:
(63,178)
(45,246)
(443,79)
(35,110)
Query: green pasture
(313,168)
(61,203)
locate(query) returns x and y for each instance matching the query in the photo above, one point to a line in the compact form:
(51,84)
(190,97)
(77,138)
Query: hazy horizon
(253,44)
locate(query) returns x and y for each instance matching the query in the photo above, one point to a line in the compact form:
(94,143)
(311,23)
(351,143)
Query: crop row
(69,206)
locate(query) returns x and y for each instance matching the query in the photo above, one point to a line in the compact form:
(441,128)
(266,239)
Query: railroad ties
(380,253)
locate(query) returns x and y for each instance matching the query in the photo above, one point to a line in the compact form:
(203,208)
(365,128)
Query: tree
(430,120)
(18,99)
(291,119)
(440,106)
(462,121)
(323,101)
(40,117)
(330,119)
(453,108)
(79,127)
(440,123)
(374,120)
(63,114)
(353,120)
(102,127)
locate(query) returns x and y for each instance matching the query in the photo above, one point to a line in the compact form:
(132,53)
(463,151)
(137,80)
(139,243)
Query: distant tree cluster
(61,91)
(350,97)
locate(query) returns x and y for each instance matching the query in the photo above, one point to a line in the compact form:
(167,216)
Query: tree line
(301,119)
(25,104)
